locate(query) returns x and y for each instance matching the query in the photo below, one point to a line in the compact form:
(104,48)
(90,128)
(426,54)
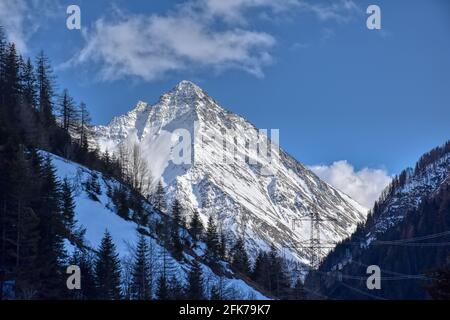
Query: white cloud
(13,16)
(340,11)
(365,185)
(234,10)
(151,46)
(197,34)
(21,18)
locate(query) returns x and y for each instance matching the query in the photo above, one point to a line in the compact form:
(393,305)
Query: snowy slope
(398,200)
(98,216)
(267,199)
(387,237)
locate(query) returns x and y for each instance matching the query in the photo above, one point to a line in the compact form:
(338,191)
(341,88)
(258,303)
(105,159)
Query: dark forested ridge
(37,209)
(413,254)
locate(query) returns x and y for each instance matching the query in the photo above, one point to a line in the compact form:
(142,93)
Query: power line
(398,273)
(362,292)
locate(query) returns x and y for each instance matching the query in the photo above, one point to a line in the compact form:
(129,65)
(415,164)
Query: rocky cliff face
(231,170)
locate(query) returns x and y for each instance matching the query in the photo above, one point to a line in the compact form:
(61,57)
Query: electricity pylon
(314,244)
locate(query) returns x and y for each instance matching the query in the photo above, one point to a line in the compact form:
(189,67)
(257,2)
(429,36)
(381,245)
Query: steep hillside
(97,212)
(407,235)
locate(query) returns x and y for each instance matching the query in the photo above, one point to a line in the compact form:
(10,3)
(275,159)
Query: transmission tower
(314,244)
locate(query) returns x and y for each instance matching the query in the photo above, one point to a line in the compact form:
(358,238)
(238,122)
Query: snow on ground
(97,216)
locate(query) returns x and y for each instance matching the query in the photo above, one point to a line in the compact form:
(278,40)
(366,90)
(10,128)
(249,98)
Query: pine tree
(93,187)
(85,260)
(196,226)
(159,198)
(3,46)
(44,76)
(52,255)
(67,111)
(108,162)
(167,270)
(68,205)
(279,282)
(240,259)
(28,79)
(194,290)
(162,288)
(20,226)
(175,229)
(140,288)
(107,270)
(212,241)
(261,272)
(84,124)
(12,78)
(120,200)
(223,246)
(177,212)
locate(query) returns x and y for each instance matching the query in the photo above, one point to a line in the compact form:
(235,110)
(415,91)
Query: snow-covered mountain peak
(262,195)
(187,87)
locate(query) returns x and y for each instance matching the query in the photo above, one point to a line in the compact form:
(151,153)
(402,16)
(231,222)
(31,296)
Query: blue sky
(335,89)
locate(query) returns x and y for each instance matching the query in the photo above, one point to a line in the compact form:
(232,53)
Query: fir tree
(175,229)
(68,205)
(279,281)
(107,270)
(159,198)
(3,45)
(196,226)
(85,260)
(120,200)
(12,77)
(212,241)
(52,255)
(140,288)
(93,187)
(194,290)
(223,246)
(19,227)
(240,258)
(28,79)
(44,77)
(261,270)
(84,124)
(67,111)
(162,288)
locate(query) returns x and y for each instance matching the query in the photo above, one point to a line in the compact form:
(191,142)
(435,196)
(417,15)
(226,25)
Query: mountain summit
(231,171)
